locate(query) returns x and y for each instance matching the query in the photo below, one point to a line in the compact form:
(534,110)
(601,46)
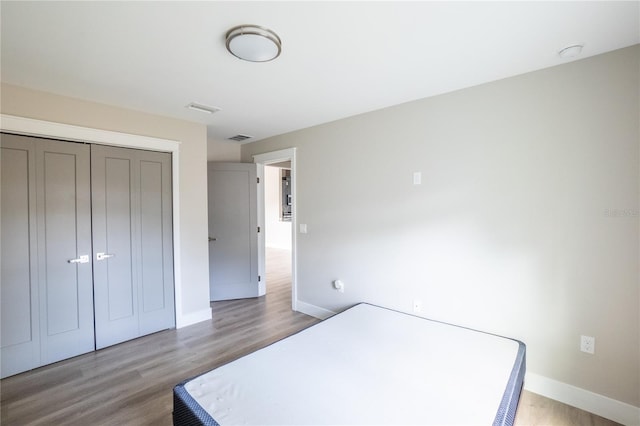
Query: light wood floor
(131,383)
(534,409)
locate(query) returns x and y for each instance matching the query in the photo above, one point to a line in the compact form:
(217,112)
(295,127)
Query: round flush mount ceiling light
(571,51)
(253,43)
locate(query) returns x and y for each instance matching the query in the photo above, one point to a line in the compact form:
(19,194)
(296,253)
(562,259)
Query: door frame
(287,154)
(48,129)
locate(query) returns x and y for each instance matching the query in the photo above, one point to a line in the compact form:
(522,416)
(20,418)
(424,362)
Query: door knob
(82,259)
(212,239)
(102,256)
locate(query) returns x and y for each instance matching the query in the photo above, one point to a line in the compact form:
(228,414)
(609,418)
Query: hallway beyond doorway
(278,268)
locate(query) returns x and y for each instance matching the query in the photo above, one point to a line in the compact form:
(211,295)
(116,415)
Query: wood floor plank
(131,383)
(535,409)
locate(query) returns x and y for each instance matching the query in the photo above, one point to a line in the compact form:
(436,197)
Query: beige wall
(223,151)
(193,169)
(526,223)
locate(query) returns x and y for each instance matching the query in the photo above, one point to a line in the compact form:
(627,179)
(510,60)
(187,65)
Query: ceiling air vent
(240,138)
(202,108)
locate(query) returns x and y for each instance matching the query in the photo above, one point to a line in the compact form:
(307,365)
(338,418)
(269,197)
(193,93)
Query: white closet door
(46,289)
(155,244)
(132,239)
(51,280)
(20,325)
(64,236)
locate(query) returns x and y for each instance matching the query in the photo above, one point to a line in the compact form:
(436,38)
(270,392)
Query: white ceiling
(339,58)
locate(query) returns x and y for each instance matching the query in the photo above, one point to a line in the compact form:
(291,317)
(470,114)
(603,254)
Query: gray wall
(526,223)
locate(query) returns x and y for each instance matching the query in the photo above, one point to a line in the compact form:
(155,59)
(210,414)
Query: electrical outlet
(417,305)
(588,344)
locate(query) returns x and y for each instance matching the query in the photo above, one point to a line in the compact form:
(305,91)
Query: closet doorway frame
(48,129)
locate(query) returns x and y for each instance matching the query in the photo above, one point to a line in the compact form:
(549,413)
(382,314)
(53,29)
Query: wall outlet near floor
(417,305)
(588,344)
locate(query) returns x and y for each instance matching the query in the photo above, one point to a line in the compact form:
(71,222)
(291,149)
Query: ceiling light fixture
(253,43)
(571,51)
(202,108)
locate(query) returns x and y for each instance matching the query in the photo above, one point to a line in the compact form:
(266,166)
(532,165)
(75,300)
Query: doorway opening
(277,215)
(277,224)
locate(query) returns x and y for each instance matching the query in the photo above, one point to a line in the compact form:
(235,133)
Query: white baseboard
(313,310)
(193,317)
(583,399)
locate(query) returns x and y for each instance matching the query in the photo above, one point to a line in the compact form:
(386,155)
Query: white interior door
(233,231)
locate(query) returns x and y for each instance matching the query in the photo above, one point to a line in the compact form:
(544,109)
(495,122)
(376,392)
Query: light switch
(303,228)
(417,178)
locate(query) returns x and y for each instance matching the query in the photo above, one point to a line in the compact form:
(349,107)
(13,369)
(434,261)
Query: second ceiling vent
(240,138)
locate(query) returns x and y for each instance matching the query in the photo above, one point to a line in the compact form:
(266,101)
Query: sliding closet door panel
(115,280)
(156,248)
(19,328)
(64,235)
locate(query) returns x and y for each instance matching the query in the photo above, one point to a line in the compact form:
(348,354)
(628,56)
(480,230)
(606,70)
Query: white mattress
(367,365)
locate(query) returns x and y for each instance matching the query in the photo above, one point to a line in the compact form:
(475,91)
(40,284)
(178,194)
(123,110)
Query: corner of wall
(193,318)
(312,310)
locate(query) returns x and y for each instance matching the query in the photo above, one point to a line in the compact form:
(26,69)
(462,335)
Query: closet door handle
(82,259)
(102,256)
